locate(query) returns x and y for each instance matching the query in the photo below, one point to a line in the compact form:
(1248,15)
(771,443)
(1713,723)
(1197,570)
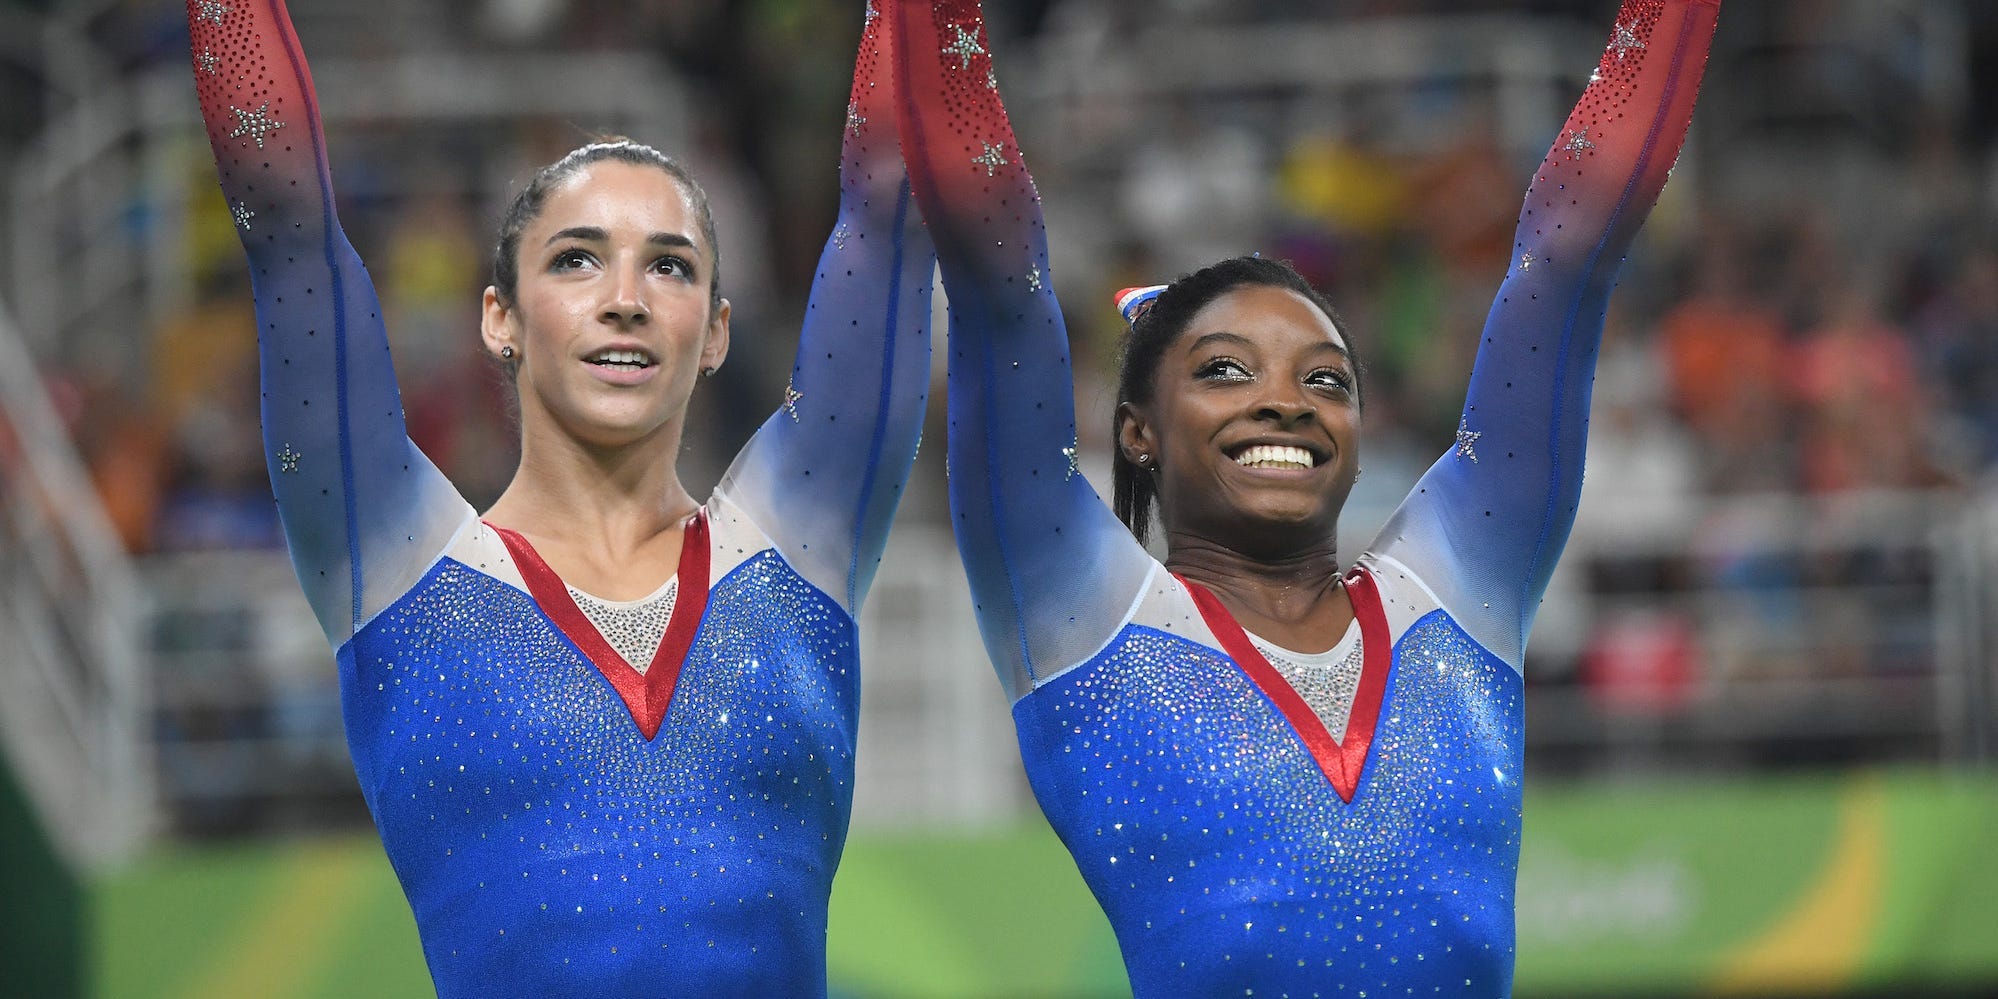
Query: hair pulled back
(527,205)
(1156,328)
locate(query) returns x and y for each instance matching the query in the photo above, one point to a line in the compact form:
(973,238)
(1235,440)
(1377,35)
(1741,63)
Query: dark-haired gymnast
(1282,773)
(606,731)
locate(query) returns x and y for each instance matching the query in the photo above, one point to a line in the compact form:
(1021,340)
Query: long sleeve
(824,474)
(1053,574)
(365,513)
(1486,524)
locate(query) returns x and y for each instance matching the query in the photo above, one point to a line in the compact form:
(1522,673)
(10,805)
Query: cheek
(544,320)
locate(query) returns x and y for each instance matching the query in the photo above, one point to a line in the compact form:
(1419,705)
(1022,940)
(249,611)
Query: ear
(715,350)
(1134,434)
(496,325)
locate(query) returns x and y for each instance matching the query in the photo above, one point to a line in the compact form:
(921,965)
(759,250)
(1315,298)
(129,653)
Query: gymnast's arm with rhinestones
(364,512)
(1486,523)
(824,474)
(1053,573)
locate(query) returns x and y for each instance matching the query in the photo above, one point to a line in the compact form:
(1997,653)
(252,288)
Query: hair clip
(1135,302)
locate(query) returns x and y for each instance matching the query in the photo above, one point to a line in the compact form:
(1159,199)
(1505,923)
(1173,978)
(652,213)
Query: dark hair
(527,204)
(1146,340)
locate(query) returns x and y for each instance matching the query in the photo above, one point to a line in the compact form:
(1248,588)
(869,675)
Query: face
(1253,426)
(611,323)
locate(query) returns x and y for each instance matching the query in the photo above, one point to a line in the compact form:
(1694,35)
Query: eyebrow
(590,233)
(1223,336)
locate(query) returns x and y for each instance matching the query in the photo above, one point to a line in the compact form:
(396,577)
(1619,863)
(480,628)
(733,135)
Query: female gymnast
(1281,776)
(606,733)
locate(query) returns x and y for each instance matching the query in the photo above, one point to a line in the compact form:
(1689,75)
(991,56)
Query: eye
(674,265)
(1330,378)
(571,259)
(1225,369)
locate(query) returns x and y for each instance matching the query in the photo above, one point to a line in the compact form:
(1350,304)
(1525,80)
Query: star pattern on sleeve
(254,124)
(791,397)
(964,46)
(1578,143)
(1624,40)
(992,158)
(1465,438)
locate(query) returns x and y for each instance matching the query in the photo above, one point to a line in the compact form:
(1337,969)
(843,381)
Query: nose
(625,304)
(1286,408)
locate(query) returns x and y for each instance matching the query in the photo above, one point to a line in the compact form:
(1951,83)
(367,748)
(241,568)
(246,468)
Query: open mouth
(621,360)
(1275,456)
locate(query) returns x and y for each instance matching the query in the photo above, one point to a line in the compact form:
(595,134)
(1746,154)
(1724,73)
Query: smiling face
(1253,424)
(611,320)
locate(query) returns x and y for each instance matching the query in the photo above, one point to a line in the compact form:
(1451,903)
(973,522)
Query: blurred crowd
(1760,342)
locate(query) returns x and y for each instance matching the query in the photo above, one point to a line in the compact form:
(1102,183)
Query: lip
(622,376)
(1321,456)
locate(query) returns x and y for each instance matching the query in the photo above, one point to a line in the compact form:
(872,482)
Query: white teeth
(620,357)
(1275,456)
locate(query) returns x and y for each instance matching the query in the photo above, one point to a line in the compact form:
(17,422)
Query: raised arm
(365,513)
(1053,573)
(1485,525)
(824,474)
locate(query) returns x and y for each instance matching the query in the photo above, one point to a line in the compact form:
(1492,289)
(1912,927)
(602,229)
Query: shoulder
(1405,597)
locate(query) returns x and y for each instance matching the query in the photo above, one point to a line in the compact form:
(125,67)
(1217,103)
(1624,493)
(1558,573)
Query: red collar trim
(646,695)
(1341,760)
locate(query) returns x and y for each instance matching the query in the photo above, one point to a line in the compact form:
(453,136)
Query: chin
(1273,530)
(611,427)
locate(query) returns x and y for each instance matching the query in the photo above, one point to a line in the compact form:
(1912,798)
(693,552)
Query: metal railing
(1849,665)
(104,182)
(73,714)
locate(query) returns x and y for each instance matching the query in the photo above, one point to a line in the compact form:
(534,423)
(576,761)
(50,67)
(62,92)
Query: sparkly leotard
(1239,844)
(561,823)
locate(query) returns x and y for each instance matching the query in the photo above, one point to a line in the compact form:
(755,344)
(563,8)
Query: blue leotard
(561,824)
(1239,843)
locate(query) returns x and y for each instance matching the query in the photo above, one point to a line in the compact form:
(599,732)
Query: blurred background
(1762,717)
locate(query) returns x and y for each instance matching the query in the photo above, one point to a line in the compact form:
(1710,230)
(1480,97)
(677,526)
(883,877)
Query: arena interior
(1762,738)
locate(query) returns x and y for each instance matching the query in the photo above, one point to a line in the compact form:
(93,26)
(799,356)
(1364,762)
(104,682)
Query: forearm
(1025,519)
(352,491)
(1502,500)
(825,473)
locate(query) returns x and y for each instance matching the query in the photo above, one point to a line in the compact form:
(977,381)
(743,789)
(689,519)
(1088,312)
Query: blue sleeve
(824,474)
(1486,524)
(1053,573)
(365,513)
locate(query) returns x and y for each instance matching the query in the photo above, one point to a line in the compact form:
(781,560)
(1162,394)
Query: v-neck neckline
(1342,760)
(646,694)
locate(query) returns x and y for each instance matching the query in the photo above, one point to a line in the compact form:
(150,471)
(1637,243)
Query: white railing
(122,154)
(936,744)
(72,721)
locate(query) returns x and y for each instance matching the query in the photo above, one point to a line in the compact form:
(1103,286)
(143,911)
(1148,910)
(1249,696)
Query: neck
(605,499)
(1289,588)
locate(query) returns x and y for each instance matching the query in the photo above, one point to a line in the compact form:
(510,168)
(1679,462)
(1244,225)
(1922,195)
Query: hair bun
(1135,302)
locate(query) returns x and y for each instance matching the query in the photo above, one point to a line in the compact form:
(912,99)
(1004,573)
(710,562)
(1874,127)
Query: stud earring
(507,352)
(708,372)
